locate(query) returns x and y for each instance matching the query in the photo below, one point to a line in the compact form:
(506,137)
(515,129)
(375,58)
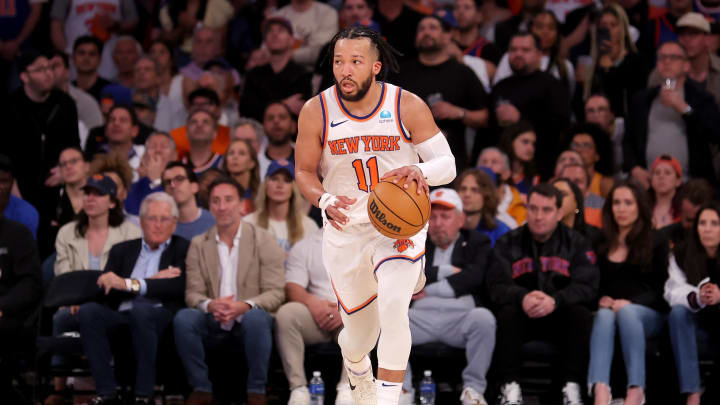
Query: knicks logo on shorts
(402,245)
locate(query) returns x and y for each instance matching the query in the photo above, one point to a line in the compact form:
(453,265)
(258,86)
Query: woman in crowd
(617,69)
(545,26)
(573,211)
(279,206)
(518,142)
(241,163)
(594,145)
(633,267)
(665,181)
(692,292)
(117,168)
(84,244)
(480,203)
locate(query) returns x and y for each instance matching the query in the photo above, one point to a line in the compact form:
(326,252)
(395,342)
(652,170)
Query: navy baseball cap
(492,174)
(104,184)
(278,165)
(119,94)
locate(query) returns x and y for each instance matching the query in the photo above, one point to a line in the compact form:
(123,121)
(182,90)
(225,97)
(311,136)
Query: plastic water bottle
(427,389)
(317,389)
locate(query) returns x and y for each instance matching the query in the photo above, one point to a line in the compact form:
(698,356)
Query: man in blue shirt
(144,285)
(13,207)
(181,183)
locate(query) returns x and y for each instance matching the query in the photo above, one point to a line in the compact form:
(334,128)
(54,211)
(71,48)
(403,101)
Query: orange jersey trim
(325,117)
(405,137)
(399,257)
(351,311)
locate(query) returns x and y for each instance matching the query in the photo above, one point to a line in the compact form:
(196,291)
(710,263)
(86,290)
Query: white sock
(388,393)
(359,368)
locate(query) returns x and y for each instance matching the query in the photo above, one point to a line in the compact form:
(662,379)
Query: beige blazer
(72,250)
(260,270)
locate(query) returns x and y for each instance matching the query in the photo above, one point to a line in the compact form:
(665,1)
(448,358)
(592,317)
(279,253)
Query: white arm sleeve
(438,165)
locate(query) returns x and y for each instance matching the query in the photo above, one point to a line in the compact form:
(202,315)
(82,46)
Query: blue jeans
(195,329)
(146,322)
(686,329)
(635,323)
(63,321)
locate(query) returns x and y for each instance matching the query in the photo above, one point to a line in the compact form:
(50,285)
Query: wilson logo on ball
(380,217)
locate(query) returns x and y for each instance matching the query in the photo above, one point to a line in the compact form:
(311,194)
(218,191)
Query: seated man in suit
(144,282)
(235,278)
(447,309)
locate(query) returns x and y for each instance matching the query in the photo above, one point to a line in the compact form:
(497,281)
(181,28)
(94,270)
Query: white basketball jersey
(358,151)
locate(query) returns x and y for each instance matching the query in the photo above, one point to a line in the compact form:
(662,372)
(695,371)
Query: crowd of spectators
(150,144)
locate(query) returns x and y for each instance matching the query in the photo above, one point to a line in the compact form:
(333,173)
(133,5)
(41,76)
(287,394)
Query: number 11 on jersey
(360,173)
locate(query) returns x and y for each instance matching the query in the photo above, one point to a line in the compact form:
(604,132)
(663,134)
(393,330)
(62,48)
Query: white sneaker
(511,394)
(471,397)
(571,394)
(362,387)
(407,398)
(299,396)
(343,396)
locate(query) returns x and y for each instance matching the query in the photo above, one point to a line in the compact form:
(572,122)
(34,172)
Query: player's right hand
(333,213)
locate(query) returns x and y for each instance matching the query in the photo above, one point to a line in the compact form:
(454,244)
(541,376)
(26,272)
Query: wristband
(326,200)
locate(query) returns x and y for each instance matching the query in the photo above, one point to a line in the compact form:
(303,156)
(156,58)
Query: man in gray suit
(235,278)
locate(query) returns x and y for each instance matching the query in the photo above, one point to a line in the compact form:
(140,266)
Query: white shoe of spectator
(511,394)
(407,398)
(299,396)
(362,387)
(471,397)
(571,394)
(343,396)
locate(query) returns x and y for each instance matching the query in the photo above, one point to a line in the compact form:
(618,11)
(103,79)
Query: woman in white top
(279,206)
(693,294)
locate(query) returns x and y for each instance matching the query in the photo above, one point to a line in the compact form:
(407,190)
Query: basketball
(398,212)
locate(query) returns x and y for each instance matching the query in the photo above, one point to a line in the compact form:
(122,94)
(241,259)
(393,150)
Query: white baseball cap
(694,20)
(446,197)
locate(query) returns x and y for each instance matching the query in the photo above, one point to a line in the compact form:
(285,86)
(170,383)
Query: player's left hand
(411,173)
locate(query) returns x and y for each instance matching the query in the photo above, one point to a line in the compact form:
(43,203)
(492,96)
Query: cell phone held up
(603,38)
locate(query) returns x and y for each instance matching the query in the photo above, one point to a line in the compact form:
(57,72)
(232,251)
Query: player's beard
(362,90)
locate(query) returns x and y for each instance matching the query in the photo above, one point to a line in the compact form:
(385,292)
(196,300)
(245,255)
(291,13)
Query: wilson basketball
(398,212)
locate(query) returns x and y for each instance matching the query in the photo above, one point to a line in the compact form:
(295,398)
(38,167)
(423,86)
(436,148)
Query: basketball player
(358,132)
